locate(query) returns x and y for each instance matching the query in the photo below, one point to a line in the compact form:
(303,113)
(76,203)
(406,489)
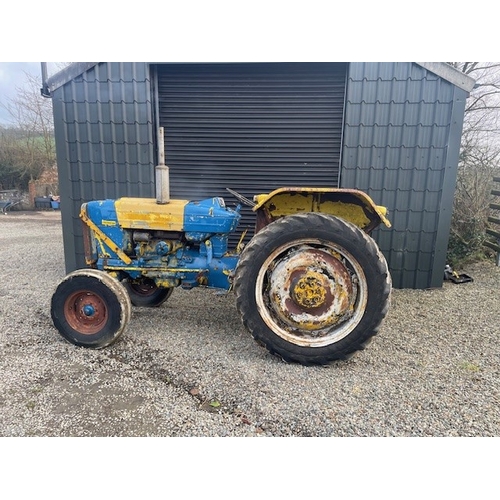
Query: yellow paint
(239,246)
(347,211)
(102,246)
(145,213)
(167,283)
(383,211)
(108,223)
(103,238)
(287,201)
(309,292)
(146,271)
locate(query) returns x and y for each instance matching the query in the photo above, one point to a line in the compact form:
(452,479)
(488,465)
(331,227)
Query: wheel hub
(308,290)
(311,290)
(85,312)
(88,310)
(144,287)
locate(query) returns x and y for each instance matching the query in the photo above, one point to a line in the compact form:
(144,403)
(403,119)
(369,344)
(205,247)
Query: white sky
(12,75)
(227,31)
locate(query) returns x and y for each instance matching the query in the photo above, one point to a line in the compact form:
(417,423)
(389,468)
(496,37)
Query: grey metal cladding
(104,142)
(396,147)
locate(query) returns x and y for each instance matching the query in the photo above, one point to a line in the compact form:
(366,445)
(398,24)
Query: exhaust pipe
(161,172)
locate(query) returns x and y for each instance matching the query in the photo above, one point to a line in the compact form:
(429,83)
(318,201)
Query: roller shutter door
(251,127)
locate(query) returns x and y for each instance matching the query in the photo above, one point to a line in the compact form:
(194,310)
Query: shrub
(471,207)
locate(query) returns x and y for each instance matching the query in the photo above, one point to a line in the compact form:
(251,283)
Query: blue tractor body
(184,243)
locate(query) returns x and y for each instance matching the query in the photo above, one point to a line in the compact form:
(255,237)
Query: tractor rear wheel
(145,293)
(90,308)
(312,288)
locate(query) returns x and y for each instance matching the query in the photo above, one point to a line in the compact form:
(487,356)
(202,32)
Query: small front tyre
(90,308)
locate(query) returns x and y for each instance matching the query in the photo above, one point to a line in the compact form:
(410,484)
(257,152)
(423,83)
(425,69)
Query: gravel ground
(189,368)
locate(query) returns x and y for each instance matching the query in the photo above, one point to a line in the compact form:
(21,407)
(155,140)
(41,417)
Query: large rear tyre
(312,288)
(90,308)
(145,293)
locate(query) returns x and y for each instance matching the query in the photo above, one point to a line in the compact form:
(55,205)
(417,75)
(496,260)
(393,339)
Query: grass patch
(470,367)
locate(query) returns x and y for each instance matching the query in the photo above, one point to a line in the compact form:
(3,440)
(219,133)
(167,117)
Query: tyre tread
(301,224)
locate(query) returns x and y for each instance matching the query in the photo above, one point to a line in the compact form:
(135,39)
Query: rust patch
(311,289)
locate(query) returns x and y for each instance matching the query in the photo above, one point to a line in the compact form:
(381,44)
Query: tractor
(311,285)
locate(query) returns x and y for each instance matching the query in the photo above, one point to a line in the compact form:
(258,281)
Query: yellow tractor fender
(351,205)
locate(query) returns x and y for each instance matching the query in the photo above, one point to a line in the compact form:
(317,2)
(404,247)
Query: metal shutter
(251,127)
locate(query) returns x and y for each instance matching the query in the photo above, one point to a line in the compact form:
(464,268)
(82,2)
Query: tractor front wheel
(312,288)
(90,308)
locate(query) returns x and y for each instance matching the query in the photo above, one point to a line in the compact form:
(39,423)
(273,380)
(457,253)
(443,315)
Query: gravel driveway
(189,368)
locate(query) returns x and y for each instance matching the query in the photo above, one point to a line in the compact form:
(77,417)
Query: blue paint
(103,215)
(203,219)
(201,257)
(88,310)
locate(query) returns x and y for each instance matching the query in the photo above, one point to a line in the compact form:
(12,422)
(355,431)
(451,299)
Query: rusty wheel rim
(144,287)
(86,312)
(311,293)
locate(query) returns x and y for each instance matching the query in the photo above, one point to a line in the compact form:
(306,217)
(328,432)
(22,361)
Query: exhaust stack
(162,172)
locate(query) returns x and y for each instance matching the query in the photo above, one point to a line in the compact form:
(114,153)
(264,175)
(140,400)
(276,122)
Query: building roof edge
(451,74)
(67,74)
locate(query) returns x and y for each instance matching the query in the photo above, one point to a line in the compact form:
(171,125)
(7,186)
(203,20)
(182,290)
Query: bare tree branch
(27,148)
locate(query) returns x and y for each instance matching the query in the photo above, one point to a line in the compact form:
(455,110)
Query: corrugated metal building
(390,129)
